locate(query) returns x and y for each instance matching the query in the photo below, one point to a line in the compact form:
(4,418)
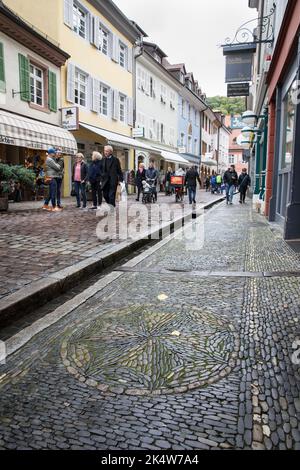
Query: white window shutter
(115,48)
(95,95)
(139,78)
(90,93)
(115,105)
(147,84)
(90,24)
(129,111)
(130,59)
(71,83)
(154,87)
(95,32)
(68,13)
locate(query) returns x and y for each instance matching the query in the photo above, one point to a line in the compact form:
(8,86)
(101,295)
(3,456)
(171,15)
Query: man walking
(231,181)
(244,182)
(152,174)
(191,178)
(112,175)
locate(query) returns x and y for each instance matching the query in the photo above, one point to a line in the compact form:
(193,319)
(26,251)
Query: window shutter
(129,111)
(71,83)
(154,87)
(52,91)
(2,69)
(96,95)
(130,60)
(115,105)
(115,48)
(68,13)
(24,78)
(147,84)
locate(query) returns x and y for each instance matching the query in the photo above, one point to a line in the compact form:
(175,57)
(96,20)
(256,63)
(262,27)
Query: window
(152,87)
(196,151)
(79,21)
(122,108)
(190,109)
(172,137)
(122,55)
(36,85)
(104,41)
(182,139)
(190,144)
(104,93)
(197,118)
(172,100)
(152,129)
(163,94)
(81,81)
(289,113)
(231,159)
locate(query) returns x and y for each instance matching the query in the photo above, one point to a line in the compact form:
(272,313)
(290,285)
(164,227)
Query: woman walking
(95,175)
(139,178)
(79,177)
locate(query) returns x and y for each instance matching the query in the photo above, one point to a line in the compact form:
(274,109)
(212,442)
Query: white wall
(149,108)
(11,50)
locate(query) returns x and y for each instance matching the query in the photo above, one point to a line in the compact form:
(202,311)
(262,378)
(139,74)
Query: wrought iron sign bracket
(245,36)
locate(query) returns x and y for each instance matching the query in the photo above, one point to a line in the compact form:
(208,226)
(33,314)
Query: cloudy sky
(190,30)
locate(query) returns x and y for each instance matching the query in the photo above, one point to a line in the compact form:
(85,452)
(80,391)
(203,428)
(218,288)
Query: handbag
(73,193)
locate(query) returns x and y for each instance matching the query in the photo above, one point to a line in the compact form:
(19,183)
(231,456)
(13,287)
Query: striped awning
(25,132)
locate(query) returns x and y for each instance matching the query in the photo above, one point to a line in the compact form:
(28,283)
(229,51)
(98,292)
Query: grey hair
(109,147)
(97,156)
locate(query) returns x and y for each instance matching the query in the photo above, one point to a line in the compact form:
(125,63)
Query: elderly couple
(104,174)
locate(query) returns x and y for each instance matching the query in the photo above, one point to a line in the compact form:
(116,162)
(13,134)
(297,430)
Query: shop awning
(174,158)
(25,132)
(118,139)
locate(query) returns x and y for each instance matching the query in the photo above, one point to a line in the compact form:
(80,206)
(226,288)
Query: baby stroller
(149,191)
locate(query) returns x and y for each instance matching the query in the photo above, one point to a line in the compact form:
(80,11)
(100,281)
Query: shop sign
(138,132)
(181,150)
(6,140)
(70,118)
(239,67)
(238,89)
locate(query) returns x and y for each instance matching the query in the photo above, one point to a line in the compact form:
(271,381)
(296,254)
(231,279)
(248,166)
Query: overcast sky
(189,31)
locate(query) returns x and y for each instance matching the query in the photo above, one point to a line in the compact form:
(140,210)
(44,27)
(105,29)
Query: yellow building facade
(98,78)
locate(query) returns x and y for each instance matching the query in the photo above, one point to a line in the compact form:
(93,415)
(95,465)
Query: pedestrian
(53,171)
(244,182)
(231,181)
(152,174)
(79,178)
(219,182)
(95,175)
(59,179)
(168,187)
(207,183)
(112,175)
(139,178)
(213,183)
(191,178)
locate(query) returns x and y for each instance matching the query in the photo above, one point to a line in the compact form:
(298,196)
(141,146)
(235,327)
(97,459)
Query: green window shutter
(52,91)
(24,78)
(2,71)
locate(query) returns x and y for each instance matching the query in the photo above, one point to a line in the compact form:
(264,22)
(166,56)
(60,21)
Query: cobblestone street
(35,244)
(177,349)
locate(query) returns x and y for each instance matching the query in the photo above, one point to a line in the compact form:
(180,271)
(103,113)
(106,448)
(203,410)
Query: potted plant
(9,176)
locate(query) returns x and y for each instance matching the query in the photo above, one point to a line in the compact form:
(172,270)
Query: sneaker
(45,207)
(93,208)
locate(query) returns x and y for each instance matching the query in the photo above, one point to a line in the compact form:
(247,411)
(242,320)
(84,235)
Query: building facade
(30,74)
(276,100)
(98,79)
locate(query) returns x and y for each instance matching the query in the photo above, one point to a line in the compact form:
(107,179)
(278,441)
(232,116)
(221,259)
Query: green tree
(227,105)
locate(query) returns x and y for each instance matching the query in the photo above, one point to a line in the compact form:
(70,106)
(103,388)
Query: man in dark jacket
(112,175)
(191,178)
(244,182)
(168,187)
(231,181)
(152,174)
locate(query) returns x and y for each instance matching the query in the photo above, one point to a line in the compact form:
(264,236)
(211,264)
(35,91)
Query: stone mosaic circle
(147,350)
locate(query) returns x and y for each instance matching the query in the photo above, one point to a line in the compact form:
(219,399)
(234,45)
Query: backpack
(219,179)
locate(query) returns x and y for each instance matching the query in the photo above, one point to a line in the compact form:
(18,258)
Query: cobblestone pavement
(170,360)
(34,244)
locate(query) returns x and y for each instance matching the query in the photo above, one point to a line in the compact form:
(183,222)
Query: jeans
(96,193)
(243,193)
(80,193)
(192,194)
(59,183)
(229,192)
(52,192)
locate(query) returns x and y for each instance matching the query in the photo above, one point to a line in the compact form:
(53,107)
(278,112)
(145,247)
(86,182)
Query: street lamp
(249,118)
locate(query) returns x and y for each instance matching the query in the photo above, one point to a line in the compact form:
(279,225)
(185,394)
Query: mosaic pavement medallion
(143,350)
